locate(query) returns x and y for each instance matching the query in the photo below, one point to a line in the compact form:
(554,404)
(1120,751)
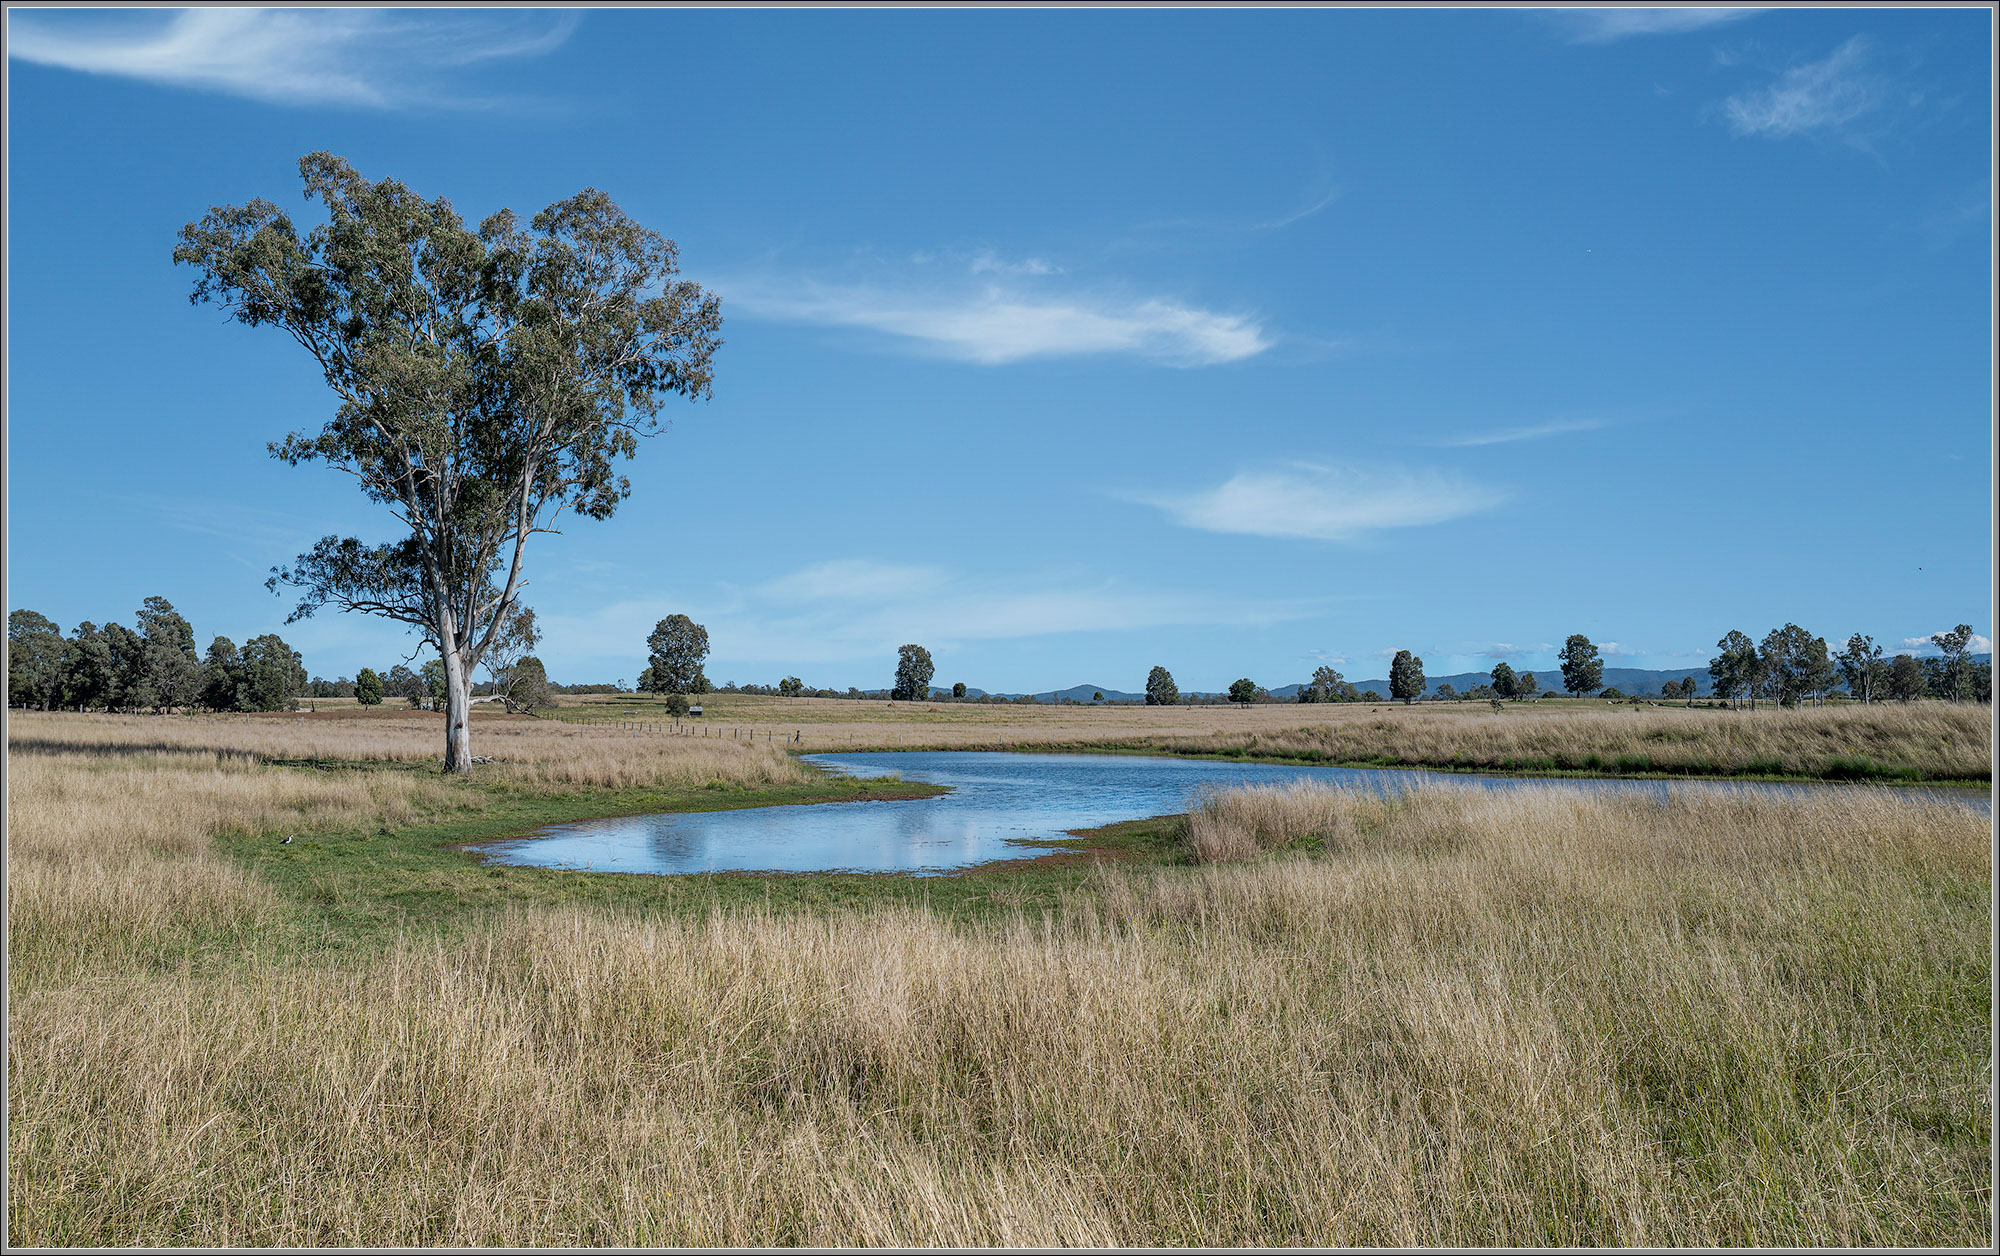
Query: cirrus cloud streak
(1308,501)
(366,58)
(996,325)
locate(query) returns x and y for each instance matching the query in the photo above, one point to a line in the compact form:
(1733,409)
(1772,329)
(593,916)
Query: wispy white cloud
(1508,650)
(853,579)
(1323,194)
(1505,436)
(1312,206)
(1977,645)
(278,533)
(1323,656)
(991,263)
(1617,650)
(1826,95)
(1320,503)
(1603,26)
(365,58)
(849,609)
(998,324)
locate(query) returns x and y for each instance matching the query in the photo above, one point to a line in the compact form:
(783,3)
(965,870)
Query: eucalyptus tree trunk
(457,712)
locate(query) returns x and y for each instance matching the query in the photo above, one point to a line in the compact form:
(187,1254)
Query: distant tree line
(152,666)
(1791,667)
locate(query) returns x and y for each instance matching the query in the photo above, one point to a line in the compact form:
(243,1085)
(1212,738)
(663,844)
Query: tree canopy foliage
(913,674)
(1582,670)
(1406,677)
(487,381)
(674,653)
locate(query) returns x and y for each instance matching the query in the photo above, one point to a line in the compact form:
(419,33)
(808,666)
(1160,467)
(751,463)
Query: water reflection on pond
(997,800)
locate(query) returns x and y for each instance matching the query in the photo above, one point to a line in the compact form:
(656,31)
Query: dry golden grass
(1932,740)
(529,752)
(1521,1017)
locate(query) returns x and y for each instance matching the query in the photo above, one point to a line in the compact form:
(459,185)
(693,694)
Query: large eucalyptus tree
(487,381)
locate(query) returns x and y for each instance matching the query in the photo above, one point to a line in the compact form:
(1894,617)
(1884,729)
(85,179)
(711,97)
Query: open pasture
(1925,741)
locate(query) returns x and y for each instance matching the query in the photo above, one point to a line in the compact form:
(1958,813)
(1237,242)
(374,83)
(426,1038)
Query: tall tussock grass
(1461,1017)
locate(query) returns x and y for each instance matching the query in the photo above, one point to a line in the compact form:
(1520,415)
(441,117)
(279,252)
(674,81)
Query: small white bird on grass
(286,842)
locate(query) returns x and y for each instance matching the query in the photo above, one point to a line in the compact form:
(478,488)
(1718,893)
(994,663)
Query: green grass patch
(361,887)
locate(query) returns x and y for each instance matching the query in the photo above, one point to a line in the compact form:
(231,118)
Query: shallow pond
(997,800)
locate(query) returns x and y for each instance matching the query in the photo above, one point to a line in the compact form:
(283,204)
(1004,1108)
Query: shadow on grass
(127,749)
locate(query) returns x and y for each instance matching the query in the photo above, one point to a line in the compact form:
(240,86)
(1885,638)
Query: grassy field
(1294,1017)
(1927,741)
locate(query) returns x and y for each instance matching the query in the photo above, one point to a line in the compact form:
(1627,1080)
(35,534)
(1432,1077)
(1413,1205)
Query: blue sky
(1071,342)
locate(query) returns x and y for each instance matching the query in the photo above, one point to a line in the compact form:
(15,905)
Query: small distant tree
(517,638)
(1736,670)
(273,675)
(1582,670)
(401,682)
(89,672)
(1906,678)
(172,668)
(1936,683)
(1954,652)
(34,659)
(1864,669)
(528,688)
(1612,695)
(367,687)
(431,676)
(675,651)
(677,704)
(1526,685)
(1796,666)
(913,674)
(1327,685)
(129,689)
(1160,688)
(1406,677)
(1445,693)
(1817,676)
(1097,695)
(1505,683)
(958,690)
(1243,691)
(1687,689)
(791,687)
(222,676)
(1371,696)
